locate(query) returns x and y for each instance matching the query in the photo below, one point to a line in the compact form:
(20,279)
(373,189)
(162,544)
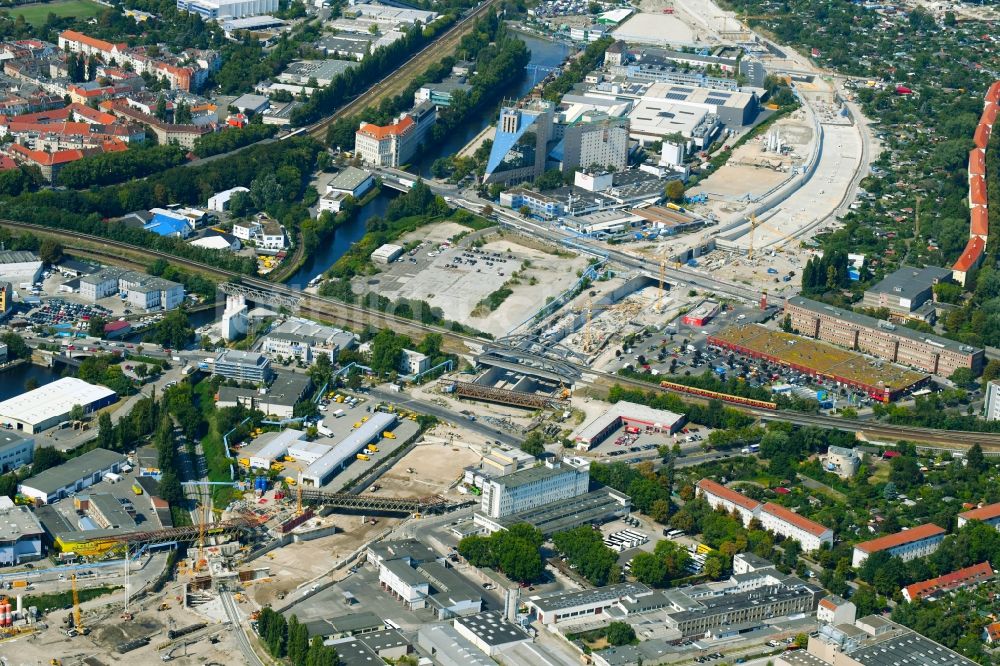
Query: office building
(989,514)
(72,476)
(628,415)
(51,404)
(909,544)
(498,462)
(991,407)
(785,522)
(871,641)
(16,450)
(965,577)
(19,267)
(140,291)
(277,400)
(594,140)
(520,146)
(908,293)
(228,9)
(395,144)
(304,339)
(417,578)
(243,366)
(899,344)
(710,614)
(533,487)
(219,202)
(440,93)
(717,495)
(20,534)
(413,362)
(563,606)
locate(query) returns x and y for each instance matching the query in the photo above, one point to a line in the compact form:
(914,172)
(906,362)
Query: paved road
(445,414)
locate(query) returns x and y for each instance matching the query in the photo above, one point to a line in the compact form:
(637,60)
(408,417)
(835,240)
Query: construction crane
(588,339)
(754,223)
(298,503)
(77,616)
(202,520)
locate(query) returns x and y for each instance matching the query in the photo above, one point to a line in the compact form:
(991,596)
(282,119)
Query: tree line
(290,640)
(103,169)
(515,552)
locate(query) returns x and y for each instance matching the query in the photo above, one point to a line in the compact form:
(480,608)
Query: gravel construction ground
(436,467)
(659,29)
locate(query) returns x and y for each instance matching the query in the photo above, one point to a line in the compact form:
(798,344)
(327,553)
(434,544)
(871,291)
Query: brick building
(930,353)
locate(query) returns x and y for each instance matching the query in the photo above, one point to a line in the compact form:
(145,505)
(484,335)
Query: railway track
(337,311)
(417,63)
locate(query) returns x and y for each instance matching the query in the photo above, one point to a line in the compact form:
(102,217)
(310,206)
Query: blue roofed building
(520,146)
(165,224)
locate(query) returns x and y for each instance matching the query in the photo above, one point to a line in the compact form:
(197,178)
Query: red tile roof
(993,632)
(973,575)
(971,255)
(993,95)
(982,513)
(719,490)
(826,603)
(977,191)
(977,162)
(982,136)
(92,42)
(899,538)
(795,519)
(980,225)
(989,116)
(380,132)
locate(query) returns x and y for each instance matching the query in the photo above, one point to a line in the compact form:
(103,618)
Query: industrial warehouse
(880,380)
(50,405)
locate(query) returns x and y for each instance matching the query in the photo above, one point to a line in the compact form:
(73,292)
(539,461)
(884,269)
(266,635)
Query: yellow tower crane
(202,521)
(298,504)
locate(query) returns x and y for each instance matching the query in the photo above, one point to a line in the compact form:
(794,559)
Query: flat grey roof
(405,572)
(384,639)
(17,522)
(236,356)
(528,475)
(493,628)
(908,647)
(113,511)
(907,281)
(356,622)
(73,470)
(349,178)
(560,601)
(10,438)
(564,514)
(872,322)
(17,257)
(353,652)
(449,584)
(288,387)
(450,647)
(403,548)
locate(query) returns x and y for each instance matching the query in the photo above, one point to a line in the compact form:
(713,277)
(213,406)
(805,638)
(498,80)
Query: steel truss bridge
(375,503)
(504,396)
(172,534)
(530,355)
(257,295)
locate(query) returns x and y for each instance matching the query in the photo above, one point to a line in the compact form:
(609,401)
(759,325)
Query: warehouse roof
(18,257)
(523,477)
(872,322)
(908,281)
(563,600)
(493,629)
(918,533)
(632,411)
(18,522)
(53,400)
(450,647)
(71,471)
(349,178)
(350,445)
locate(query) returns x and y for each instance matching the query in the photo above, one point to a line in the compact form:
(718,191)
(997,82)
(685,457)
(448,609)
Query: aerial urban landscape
(519,332)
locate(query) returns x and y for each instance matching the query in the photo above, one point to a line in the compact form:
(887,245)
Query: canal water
(544,54)
(14,380)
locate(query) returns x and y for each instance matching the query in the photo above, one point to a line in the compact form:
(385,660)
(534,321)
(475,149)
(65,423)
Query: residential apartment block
(966,577)
(930,353)
(717,495)
(989,514)
(810,534)
(909,544)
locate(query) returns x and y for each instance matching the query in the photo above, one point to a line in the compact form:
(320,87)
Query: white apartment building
(265,233)
(216,9)
(717,495)
(532,487)
(304,339)
(411,362)
(991,410)
(907,545)
(785,522)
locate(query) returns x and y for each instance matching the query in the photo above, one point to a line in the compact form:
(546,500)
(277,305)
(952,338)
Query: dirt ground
(436,466)
(434,233)
(300,562)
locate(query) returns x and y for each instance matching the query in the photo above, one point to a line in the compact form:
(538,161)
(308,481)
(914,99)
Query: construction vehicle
(373,448)
(362,456)
(290,480)
(164,606)
(277,466)
(77,616)
(364,419)
(357,425)
(339,398)
(389,435)
(245,462)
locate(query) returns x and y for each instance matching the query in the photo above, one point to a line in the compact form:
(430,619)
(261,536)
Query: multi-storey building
(909,544)
(217,9)
(594,140)
(304,339)
(394,144)
(520,149)
(989,514)
(144,292)
(927,352)
(810,534)
(966,577)
(264,232)
(16,450)
(991,408)
(532,487)
(243,366)
(717,495)
(908,293)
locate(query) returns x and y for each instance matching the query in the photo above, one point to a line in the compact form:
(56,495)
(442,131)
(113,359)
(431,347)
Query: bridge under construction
(378,504)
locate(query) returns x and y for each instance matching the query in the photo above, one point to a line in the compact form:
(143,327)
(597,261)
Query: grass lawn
(37,13)
(214,449)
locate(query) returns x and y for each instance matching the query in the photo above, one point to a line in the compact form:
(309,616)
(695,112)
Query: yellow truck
(245,462)
(364,419)
(357,425)
(363,456)
(136,488)
(290,480)
(373,448)
(277,467)
(389,435)
(339,398)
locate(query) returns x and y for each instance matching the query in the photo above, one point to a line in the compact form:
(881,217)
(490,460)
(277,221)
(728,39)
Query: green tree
(173,331)
(95,327)
(620,633)
(77,413)
(649,569)
(674,190)
(534,444)
(105,431)
(963,377)
(16,346)
(46,457)
(298,641)
(50,251)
